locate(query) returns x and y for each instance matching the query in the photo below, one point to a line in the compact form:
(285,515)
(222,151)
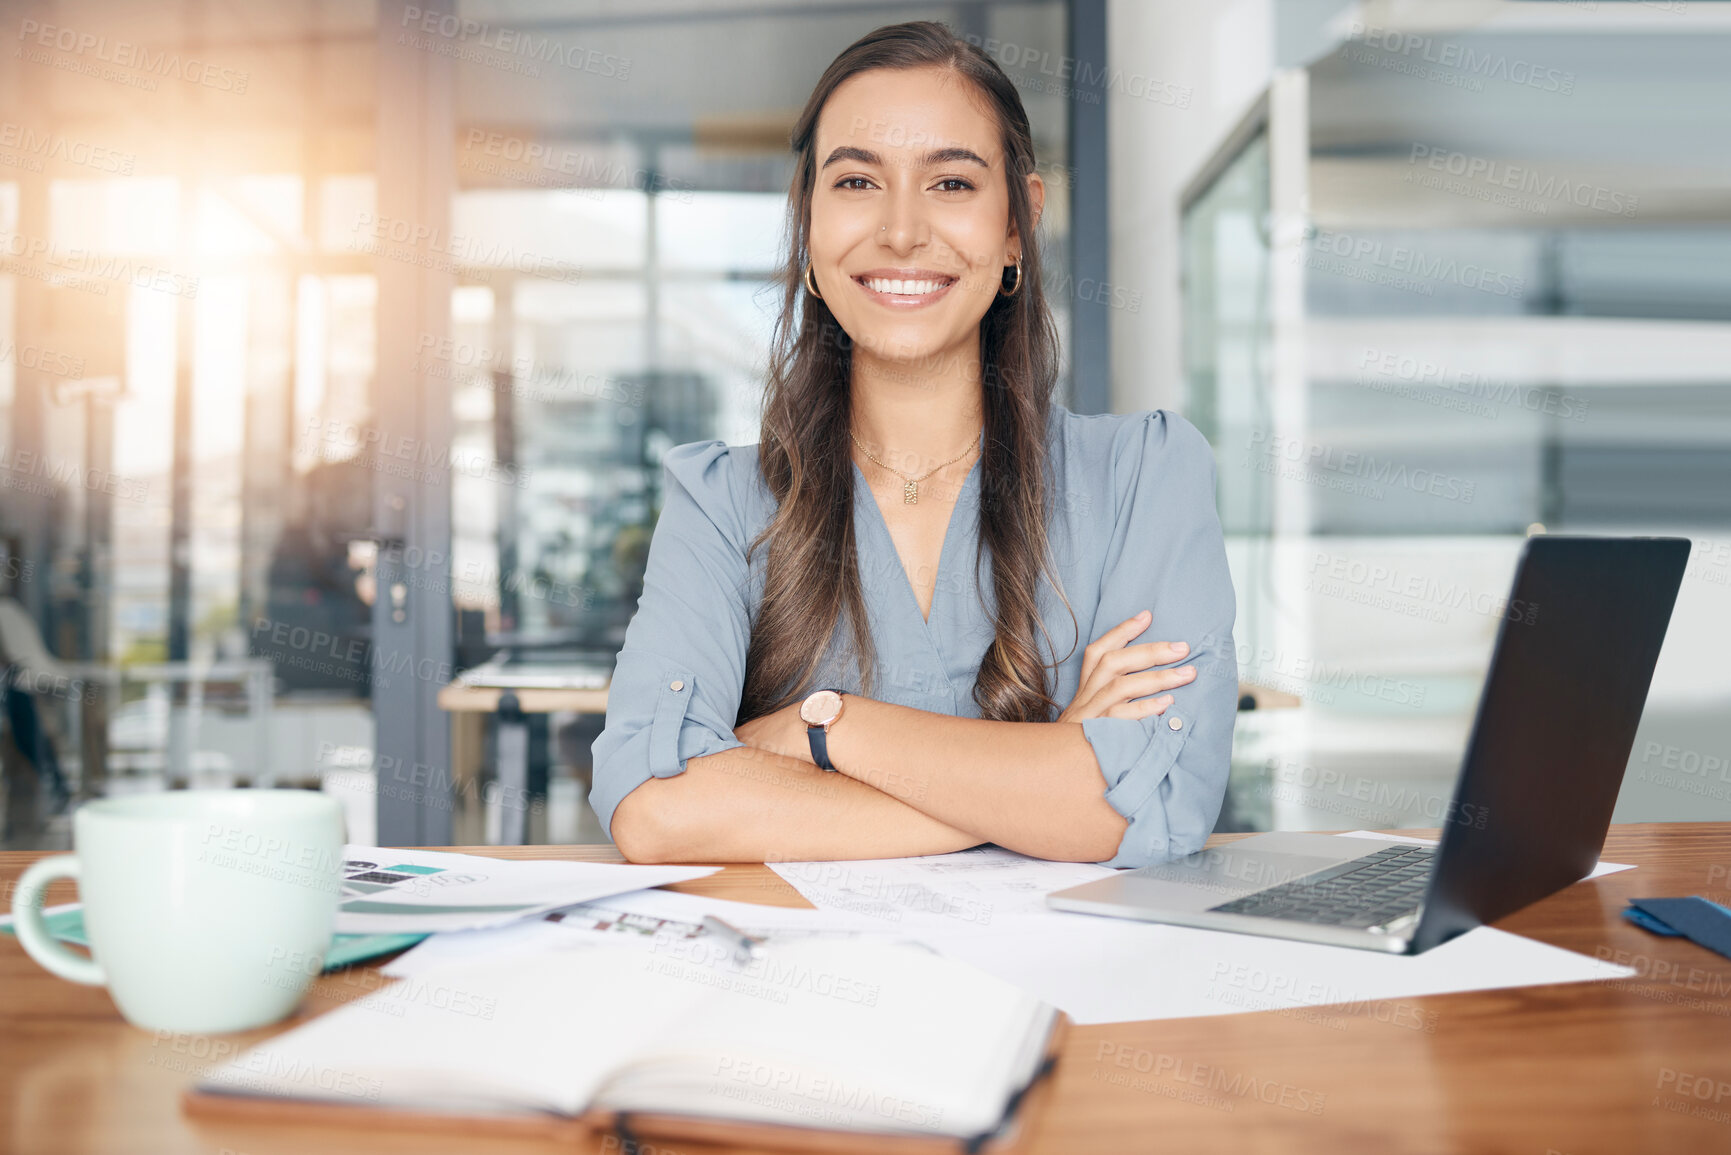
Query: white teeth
(904,288)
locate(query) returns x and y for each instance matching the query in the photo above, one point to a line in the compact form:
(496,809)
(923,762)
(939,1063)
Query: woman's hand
(780,732)
(1117,678)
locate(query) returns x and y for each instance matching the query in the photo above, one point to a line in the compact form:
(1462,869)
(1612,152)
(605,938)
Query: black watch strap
(819,739)
(819,747)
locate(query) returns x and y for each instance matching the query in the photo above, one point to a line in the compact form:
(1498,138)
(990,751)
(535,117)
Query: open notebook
(872,1037)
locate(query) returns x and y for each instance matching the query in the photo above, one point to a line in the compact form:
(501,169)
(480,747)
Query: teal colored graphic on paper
(346,949)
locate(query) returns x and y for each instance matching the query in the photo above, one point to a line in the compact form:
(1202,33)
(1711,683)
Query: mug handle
(33,933)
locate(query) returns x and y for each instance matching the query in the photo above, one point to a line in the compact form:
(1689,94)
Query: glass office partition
(1513,316)
(1228,329)
(219,307)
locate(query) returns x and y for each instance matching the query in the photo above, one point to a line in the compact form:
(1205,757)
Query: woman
(921,529)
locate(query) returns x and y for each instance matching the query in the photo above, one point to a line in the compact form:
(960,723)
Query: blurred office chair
(28,672)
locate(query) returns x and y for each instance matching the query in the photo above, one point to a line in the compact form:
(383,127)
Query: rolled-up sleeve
(1167,774)
(680,674)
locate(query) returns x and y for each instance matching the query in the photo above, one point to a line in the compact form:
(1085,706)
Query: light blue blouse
(1133,527)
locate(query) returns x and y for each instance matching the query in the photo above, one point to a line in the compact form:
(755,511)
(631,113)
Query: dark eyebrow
(930,160)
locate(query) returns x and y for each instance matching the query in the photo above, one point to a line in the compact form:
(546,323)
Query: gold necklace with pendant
(911,485)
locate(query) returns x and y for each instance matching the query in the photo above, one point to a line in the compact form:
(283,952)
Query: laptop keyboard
(1366,892)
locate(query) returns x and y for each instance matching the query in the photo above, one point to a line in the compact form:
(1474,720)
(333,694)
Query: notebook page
(862,1035)
(529,1032)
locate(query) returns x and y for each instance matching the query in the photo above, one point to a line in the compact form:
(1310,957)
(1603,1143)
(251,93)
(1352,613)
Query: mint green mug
(205,910)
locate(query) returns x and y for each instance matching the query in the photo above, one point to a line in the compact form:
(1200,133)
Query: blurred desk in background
(510,692)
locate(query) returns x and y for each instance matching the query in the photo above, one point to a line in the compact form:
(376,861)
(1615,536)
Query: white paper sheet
(439,891)
(642,914)
(991,912)
(1110,970)
(987,908)
(971,887)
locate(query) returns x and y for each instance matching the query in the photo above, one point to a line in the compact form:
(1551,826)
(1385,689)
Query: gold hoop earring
(809,286)
(1015,287)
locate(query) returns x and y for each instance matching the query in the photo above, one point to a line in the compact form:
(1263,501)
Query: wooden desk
(1585,1067)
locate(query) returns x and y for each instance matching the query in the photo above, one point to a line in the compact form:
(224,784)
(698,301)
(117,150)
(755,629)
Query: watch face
(820,708)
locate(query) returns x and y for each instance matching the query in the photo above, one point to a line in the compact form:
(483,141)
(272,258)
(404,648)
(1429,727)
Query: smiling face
(910,213)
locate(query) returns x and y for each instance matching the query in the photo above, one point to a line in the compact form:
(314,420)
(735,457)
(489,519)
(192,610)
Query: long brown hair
(812,576)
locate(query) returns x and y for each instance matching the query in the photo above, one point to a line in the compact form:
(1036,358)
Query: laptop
(1556,721)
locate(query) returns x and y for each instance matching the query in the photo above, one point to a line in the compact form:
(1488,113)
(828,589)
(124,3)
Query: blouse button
(1175,723)
(676,684)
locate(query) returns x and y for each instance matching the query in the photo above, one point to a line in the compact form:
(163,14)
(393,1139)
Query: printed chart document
(881,1038)
(410,891)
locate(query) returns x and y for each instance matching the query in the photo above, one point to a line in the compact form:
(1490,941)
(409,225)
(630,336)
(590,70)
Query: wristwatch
(819,711)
